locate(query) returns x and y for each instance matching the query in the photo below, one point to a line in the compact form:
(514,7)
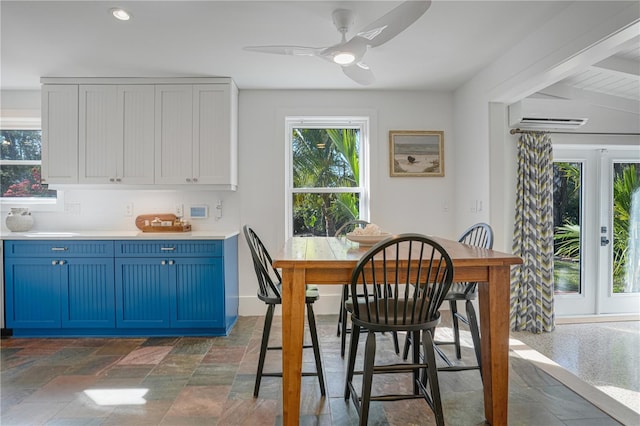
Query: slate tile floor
(209,381)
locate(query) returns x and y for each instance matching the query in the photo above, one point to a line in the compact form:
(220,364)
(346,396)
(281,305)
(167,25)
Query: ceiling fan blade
(360,73)
(394,22)
(286,50)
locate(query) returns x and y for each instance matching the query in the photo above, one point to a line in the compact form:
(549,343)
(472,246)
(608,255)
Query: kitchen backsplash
(118,209)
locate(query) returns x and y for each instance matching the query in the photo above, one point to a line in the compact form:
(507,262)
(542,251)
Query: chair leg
(353,349)
(407,344)
(345,318)
(475,332)
(432,375)
(453,305)
(316,346)
(263,348)
(415,336)
(367,377)
(396,345)
(341,313)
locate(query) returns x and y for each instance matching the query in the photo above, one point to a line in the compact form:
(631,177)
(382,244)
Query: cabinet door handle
(111,180)
(171,262)
(167,248)
(118,180)
(188,179)
(54,262)
(59,248)
(195,179)
(62,262)
(163,262)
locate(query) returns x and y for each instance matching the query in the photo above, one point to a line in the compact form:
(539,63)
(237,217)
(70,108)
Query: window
(327,174)
(20,159)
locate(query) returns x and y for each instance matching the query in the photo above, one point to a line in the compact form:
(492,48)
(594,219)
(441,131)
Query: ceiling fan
(349,53)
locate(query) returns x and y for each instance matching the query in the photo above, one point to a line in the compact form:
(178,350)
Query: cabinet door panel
(32,293)
(136,122)
(197,293)
(174,134)
(212,158)
(142,294)
(99,145)
(59,133)
(88,298)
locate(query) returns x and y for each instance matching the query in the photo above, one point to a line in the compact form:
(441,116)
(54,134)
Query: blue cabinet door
(142,293)
(197,292)
(88,293)
(32,293)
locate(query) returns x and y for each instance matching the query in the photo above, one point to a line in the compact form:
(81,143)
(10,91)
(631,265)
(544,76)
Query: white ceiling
(443,49)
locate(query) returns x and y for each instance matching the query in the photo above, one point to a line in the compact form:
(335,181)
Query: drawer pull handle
(59,248)
(167,248)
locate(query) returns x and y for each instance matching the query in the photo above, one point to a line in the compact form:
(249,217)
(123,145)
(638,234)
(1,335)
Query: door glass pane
(567,207)
(626,228)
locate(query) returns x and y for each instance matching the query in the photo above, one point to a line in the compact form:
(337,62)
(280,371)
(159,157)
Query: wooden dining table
(330,261)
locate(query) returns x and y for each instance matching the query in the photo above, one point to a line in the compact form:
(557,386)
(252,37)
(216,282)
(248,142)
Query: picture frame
(416,153)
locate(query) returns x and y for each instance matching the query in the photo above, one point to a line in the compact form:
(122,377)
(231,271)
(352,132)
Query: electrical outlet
(128,209)
(180,210)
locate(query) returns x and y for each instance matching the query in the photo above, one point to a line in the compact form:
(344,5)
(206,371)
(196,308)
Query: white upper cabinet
(194,125)
(116,134)
(137,131)
(59,134)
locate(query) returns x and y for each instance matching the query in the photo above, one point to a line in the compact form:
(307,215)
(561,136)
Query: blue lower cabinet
(142,293)
(32,293)
(197,292)
(87,293)
(121,288)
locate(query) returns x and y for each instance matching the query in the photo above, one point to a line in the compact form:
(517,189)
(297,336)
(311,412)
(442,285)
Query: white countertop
(118,235)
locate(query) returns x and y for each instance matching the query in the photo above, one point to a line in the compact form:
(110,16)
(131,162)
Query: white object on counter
(19,219)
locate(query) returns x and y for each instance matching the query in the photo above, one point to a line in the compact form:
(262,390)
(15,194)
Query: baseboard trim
(585,319)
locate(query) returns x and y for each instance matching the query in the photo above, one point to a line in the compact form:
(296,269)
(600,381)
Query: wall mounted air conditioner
(541,114)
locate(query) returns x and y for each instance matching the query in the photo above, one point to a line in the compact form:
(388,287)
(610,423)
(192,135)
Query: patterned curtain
(532,282)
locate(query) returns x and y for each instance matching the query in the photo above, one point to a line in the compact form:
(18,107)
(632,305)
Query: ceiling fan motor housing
(342,19)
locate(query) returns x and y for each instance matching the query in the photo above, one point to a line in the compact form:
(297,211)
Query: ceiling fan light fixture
(344,58)
(120,14)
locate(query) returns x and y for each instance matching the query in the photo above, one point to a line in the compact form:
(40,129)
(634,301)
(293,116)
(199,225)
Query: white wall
(397,204)
(582,34)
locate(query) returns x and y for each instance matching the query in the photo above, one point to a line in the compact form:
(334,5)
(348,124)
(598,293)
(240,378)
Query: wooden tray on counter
(143,223)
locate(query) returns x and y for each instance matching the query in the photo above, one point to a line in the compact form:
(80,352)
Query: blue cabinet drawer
(58,248)
(173,248)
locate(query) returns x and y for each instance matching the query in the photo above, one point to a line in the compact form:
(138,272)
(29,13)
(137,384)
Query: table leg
(494,327)
(293,306)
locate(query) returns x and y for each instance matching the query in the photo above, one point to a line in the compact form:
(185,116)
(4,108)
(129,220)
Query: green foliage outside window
(324,159)
(20,164)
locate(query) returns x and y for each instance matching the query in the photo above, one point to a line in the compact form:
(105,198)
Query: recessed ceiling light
(121,14)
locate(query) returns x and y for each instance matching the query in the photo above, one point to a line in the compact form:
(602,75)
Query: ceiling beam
(561,90)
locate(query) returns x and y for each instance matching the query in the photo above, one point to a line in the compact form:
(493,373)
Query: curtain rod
(514,131)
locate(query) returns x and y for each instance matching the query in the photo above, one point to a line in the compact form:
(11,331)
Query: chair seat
(393,317)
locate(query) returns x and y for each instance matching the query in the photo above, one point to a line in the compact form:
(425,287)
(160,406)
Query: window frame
(27,120)
(362,123)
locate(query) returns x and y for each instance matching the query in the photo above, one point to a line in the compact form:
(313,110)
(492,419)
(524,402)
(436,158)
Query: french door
(597,231)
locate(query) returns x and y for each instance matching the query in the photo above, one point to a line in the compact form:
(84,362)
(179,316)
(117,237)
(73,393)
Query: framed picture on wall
(416,153)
